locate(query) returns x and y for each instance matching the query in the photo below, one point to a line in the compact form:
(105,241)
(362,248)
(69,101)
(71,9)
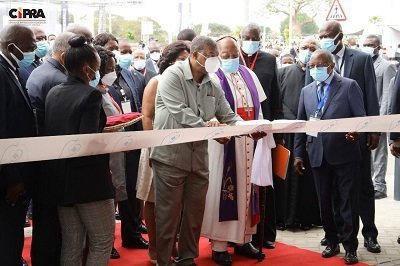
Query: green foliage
(214,29)
(303,25)
(131,29)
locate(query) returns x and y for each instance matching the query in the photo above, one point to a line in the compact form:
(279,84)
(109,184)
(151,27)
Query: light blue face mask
(125,60)
(94,82)
(329,44)
(230,65)
(42,48)
(305,56)
(250,47)
(319,73)
(28,59)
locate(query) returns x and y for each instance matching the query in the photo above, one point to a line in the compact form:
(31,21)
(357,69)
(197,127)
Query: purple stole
(228,208)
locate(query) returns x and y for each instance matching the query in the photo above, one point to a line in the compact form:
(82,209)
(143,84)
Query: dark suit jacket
(395,103)
(359,67)
(150,66)
(345,100)
(266,70)
(75,108)
(39,83)
(25,72)
(16,121)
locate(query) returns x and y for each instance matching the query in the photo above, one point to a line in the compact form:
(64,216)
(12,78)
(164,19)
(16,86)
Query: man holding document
(334,157)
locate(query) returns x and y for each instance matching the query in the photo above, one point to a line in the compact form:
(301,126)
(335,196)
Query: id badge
(126,107)
(246,113)
(313,134)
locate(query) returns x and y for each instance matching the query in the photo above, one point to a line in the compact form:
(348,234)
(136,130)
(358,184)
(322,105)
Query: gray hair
(61,42)
(199,43)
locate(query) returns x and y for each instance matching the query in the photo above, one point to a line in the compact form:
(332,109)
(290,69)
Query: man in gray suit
(384,72)
(186,98)
(356,65)
(334,157)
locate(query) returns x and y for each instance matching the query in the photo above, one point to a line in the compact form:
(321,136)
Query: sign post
(336,12)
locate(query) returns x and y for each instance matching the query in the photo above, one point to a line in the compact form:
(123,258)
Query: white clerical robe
(239,231)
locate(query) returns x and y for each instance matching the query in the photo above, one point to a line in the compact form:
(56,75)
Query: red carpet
(282,255)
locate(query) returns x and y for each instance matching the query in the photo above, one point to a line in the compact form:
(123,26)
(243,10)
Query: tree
(375,20)
(306,24)
(214,29)
(311,7)
(131,29)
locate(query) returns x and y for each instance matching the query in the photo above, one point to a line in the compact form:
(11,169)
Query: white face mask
(211,65)
(116,54)
(285,65)
(155,56)
(139,64)
(109,78)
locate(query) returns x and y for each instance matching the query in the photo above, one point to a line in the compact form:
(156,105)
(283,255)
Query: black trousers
(342,179)
(12,220)
(128,209)
(46,234)
(367,196)
(269,222)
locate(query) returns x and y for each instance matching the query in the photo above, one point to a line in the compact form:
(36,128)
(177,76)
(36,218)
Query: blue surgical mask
(250,47)
(28,59)
(125,60)
(305,56)
(42,48)
(319,73)
(329,44)
(230,65)
(94,82)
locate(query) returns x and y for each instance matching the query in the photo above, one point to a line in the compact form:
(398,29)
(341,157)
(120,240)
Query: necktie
(320,91)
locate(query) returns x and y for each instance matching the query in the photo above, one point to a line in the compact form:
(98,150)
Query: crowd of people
(70,83)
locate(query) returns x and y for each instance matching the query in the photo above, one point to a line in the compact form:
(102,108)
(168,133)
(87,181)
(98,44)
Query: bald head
(227,48)
(61,43)
(81,30)
(139,54)
(331,26)
(124,47)
(321,58)
(309,44)
(40,35)
(16,38)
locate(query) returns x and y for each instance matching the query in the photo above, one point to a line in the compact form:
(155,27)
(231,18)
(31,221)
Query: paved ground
(388,223)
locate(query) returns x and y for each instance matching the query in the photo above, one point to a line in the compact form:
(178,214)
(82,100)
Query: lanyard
(252,64)
(322,101)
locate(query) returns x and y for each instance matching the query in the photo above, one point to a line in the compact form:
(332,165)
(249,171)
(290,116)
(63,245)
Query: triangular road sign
(336,12)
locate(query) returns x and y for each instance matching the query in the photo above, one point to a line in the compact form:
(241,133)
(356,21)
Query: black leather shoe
(398,239)
(142,229)
(305,227)
(24,262)
(114,254)
(222,258)
(139,243)
(281,226)
(269,244)
(330,251)
(372,245)
(249,251)
(351,257)
(380,195)
(324,242)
